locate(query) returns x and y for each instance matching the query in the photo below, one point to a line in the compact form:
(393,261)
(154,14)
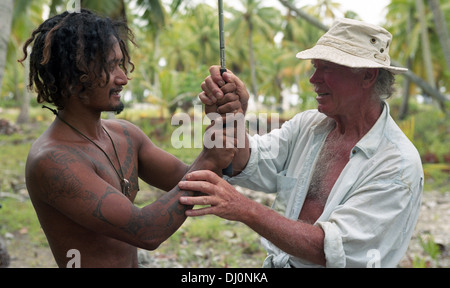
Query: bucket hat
(354,44)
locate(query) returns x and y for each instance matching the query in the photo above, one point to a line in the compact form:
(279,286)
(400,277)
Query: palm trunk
(252,61)
(441,29)
(426,51)
(6,13)
(404,108)
(24,115)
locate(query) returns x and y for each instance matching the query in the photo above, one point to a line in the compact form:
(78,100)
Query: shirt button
(353,151)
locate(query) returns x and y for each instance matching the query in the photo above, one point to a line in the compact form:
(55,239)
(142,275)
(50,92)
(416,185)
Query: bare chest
(112,163)
(332,160)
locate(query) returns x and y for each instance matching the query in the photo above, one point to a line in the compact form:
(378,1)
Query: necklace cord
(121,177)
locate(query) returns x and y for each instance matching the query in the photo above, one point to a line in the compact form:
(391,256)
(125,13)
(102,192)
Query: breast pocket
(284,200)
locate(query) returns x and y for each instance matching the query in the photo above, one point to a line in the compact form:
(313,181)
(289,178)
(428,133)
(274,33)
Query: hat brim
(331,54)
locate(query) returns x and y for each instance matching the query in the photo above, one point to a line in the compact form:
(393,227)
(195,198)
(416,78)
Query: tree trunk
(426,51)
(6,13)
(404,108)
(24,115)
(441,29)
(252,61)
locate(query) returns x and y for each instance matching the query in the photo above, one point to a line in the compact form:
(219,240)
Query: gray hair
(384,86)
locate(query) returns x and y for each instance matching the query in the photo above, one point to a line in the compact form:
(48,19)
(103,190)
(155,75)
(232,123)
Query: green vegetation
(429,130)
(178,41)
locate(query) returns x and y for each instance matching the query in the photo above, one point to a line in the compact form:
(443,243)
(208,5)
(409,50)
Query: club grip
(229,170)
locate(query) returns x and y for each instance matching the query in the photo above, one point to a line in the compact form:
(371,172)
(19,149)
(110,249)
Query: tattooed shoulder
(56,174)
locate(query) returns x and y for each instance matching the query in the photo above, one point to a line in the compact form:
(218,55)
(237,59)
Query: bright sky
(371,11)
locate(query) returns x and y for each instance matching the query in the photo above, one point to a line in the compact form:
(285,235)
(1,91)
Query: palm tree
(410,45)
(178,45)
(255,19)
(404,108)
(114,9)
(27,15)
(203,24)
(324,9)
(425,41)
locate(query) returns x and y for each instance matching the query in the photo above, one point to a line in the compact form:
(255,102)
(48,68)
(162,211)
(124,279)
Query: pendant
(126,187)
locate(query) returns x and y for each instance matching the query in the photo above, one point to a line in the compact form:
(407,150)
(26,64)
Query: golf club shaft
(229,170)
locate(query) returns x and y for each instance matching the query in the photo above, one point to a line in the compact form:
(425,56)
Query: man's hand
(223,93)
(219,144)
(297,238)
(223,199)
(224,96)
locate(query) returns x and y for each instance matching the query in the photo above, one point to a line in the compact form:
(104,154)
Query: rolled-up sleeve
(379,218)
(333,247)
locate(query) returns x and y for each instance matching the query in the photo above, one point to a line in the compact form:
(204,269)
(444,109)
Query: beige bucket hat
(354,44)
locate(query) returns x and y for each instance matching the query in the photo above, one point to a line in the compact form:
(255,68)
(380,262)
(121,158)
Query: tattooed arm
(163,170)
(79,183)
(64,181)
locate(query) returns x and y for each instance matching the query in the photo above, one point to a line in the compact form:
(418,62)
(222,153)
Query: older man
(348,181)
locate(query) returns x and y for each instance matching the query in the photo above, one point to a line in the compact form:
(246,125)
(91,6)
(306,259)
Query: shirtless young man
(82,172)
(348,181)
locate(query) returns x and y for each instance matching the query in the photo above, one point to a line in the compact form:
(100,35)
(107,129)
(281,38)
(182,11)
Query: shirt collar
(371,141)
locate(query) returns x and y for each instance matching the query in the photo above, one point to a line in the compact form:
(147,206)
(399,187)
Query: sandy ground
(433,225)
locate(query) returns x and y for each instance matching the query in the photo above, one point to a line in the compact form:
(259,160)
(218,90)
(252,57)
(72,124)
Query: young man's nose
(121,78)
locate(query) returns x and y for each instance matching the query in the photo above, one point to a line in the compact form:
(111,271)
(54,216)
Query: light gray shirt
(373,207)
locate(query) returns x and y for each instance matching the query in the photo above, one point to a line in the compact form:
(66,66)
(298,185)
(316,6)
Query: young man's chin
(116,109)
(119,108)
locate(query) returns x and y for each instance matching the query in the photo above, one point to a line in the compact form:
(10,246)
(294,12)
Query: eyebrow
(115,60)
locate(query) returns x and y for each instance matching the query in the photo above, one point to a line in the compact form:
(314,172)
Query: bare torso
(78,197)
(96,250)
(63,233)
(332,160)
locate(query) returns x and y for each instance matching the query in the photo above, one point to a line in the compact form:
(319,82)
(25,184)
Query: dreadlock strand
(69,54)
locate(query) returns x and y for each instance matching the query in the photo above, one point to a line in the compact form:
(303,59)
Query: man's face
(338,88)
(106,97)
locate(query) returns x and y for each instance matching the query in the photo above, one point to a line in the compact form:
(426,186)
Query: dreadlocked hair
(70,51)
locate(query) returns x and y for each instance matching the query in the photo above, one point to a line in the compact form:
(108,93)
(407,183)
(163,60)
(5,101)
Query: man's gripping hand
(224,93)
